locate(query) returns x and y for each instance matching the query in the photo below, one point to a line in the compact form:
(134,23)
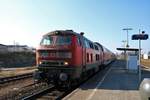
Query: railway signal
(140,37)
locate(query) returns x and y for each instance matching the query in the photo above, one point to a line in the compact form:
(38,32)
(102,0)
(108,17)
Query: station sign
(140,37)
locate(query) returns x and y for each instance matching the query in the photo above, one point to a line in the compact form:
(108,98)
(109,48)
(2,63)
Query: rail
(38,93)
(14,78)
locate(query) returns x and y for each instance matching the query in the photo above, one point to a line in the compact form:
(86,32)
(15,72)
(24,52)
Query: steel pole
(139,59)
(127,39)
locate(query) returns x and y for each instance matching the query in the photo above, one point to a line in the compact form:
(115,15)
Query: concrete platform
(113,83)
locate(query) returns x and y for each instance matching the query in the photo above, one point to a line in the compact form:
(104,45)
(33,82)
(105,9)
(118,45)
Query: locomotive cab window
(56,40)
(63,40)
(47,40)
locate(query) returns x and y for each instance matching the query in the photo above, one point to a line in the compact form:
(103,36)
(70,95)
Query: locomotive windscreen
(56,40)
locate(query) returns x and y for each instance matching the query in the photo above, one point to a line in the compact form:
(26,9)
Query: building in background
(3,48)
(149,55)
(145,56)
(15,48)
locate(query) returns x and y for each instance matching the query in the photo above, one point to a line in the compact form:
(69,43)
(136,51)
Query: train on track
(65,57)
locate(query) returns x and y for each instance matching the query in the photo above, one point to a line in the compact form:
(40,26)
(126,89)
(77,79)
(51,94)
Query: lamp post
(127,29)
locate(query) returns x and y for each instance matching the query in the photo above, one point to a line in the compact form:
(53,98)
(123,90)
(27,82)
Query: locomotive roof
(71,32)
(66,32)
(62,32)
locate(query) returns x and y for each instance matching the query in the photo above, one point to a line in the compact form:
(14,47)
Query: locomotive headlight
(66,63)
(40,62)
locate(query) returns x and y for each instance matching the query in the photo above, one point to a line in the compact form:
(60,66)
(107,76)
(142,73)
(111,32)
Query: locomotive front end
(55,58)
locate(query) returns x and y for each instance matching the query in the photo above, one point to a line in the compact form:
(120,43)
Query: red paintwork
(79,53)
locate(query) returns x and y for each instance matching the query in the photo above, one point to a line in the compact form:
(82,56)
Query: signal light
(82,33)
(143,32)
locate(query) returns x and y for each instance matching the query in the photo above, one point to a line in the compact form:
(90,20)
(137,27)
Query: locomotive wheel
(68,85)
(100,67)
(83,76)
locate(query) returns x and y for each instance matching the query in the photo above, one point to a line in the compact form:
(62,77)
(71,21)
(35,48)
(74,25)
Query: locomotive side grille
(52,63)
(60,54)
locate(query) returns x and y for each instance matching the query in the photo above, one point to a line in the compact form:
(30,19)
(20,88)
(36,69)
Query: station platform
(112,83)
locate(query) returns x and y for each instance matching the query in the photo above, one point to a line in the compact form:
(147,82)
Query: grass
(17,71)
(7,73)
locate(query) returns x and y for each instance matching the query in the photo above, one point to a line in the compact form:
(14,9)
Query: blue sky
(25,21)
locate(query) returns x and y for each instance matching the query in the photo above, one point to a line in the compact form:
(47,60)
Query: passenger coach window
(97,57)
(87,57)
(91,57)
(96,48)
(91,45)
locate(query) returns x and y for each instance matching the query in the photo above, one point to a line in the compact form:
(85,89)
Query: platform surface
(113,83)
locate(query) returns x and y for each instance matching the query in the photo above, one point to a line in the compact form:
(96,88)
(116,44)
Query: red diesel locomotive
(64,57)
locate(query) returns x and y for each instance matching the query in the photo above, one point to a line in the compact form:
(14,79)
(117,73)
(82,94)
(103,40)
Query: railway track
(49,93)
(24,91)
(57,94)
(40,91)
(35,90)
(14,78)
(52,92)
